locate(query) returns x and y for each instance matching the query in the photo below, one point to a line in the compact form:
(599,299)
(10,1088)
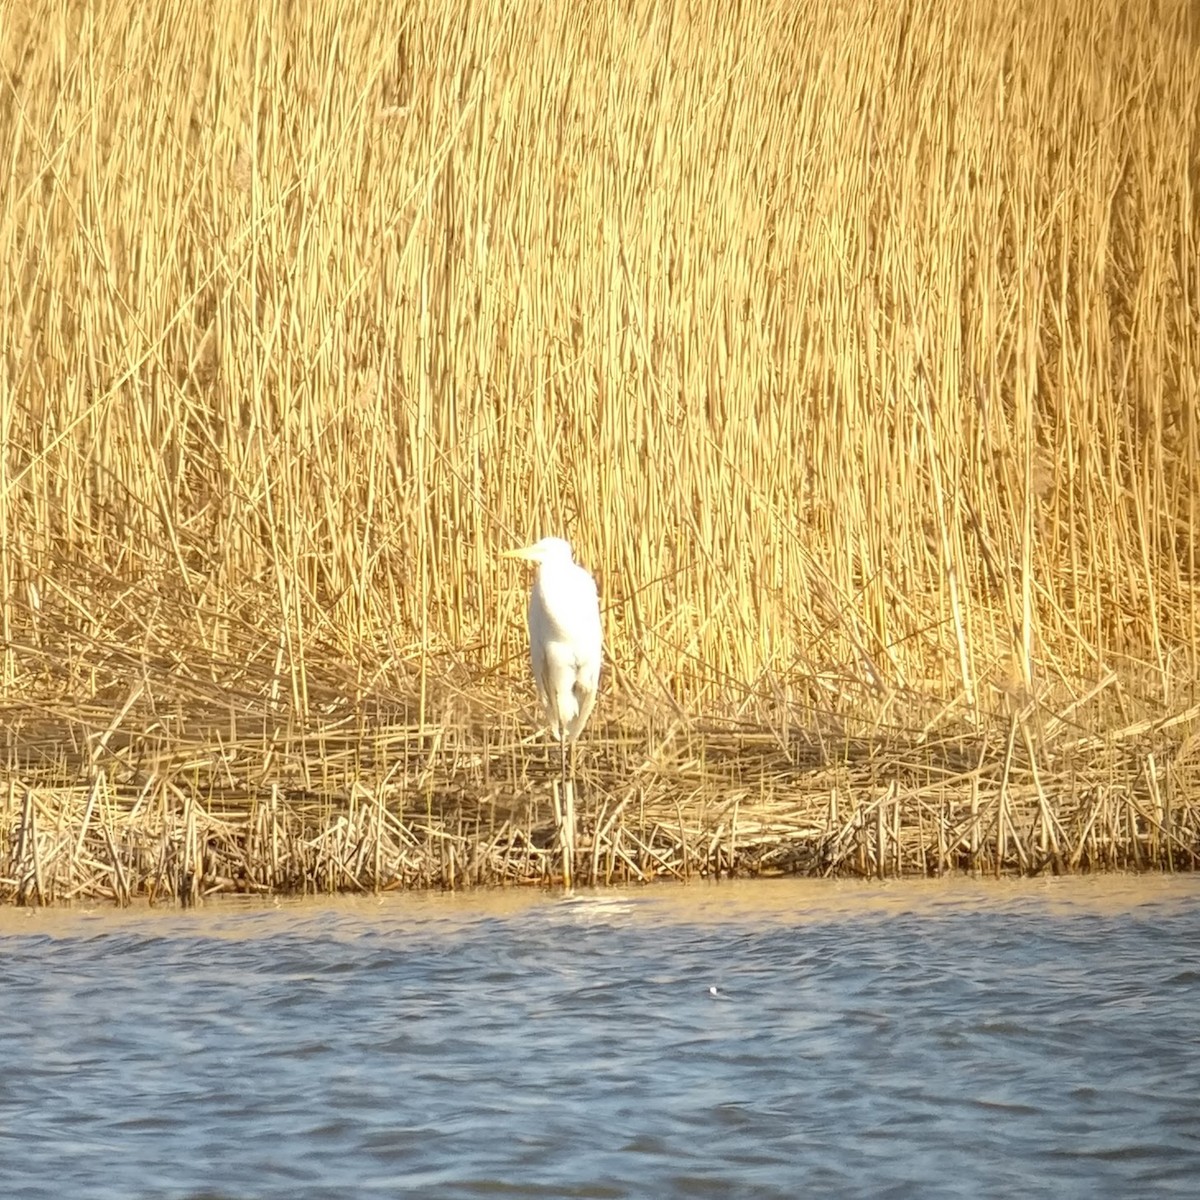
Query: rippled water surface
(762,1039)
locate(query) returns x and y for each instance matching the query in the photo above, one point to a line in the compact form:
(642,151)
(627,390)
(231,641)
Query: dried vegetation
(855,346)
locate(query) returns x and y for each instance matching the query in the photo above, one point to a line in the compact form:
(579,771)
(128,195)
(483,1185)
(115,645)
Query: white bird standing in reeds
(564,638)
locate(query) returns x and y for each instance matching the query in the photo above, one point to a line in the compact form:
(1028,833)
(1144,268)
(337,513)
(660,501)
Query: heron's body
(564,636)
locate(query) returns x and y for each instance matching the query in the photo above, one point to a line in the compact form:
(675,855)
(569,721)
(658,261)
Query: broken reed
(854,347)
(404,807)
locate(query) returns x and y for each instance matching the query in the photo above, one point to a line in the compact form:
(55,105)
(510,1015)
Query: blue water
(772,1039)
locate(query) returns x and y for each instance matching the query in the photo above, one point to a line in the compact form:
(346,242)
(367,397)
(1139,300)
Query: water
(959,1039)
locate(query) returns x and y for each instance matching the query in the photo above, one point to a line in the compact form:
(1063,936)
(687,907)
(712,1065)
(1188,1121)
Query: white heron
(564,638)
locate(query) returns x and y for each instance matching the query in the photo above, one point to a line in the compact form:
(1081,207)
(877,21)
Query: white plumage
(564,636)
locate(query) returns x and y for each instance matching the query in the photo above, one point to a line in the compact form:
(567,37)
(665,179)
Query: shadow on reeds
(369,801)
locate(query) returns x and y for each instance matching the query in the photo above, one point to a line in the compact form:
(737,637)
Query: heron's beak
(523,553)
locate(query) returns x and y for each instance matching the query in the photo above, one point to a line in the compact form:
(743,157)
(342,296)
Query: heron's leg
(568,832)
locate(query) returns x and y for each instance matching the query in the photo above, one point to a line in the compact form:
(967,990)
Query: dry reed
(856,347)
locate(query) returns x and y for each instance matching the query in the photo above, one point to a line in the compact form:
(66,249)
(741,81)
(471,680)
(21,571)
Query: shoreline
(393,816)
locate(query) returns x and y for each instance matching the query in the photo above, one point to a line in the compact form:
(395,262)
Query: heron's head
(551,550)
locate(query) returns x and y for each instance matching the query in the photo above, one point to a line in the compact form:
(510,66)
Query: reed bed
(855,347)
(379,805)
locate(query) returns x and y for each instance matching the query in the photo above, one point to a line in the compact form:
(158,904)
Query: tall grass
(855,346)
